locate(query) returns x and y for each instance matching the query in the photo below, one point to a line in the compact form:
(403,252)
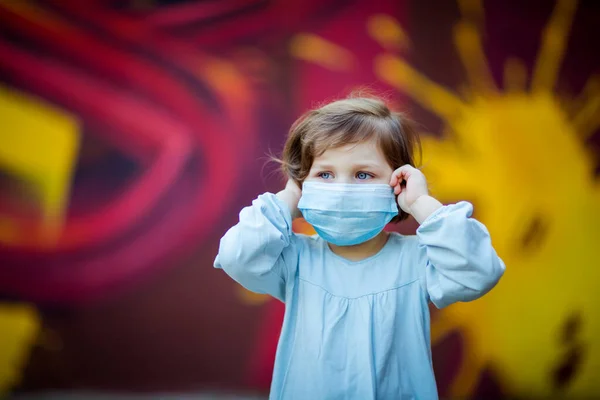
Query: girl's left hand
(413,187)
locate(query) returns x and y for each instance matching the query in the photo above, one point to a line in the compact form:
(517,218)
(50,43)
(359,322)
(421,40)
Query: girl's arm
(461,264)
(260,252)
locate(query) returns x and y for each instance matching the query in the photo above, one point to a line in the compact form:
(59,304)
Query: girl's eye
(324,175)
(363,175)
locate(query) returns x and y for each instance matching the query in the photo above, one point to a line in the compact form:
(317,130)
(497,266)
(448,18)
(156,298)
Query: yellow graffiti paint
(38,146)
(519,155)
(313,48)
(19,325)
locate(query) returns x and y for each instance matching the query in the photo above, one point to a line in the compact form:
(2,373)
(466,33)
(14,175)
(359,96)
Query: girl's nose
(344,179)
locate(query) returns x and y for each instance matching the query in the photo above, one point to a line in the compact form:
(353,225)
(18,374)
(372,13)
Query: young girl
(356,320)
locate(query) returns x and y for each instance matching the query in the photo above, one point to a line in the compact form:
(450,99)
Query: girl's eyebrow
(363,165)
(323,166)
(367,166)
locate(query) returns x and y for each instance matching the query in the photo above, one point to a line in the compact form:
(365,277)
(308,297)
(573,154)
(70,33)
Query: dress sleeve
(261,252)
(461,264)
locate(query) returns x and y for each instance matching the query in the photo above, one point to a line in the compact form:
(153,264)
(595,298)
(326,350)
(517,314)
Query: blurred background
(132,133)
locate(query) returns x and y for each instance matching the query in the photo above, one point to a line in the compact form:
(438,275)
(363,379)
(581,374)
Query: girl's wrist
(423,207)
(291,200)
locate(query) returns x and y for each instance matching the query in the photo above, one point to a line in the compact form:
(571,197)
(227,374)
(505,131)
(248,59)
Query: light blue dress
(358,329)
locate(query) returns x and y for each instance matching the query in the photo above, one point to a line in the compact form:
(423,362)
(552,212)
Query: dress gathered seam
(361,296)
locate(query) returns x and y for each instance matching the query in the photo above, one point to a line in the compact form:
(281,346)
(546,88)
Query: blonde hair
(347,121)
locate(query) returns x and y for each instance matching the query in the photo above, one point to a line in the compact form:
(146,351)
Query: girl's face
(361,163)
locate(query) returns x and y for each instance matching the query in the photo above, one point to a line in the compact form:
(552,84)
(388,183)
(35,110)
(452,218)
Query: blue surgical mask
(347,214)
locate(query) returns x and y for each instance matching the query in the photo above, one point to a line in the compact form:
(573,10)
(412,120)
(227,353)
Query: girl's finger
(397,188)
(400,174)
(396,177)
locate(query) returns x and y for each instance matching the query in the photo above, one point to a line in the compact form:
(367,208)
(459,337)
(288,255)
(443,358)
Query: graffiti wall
(133,132)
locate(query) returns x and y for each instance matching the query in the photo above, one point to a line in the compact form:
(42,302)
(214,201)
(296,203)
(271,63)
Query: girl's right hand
(291,196)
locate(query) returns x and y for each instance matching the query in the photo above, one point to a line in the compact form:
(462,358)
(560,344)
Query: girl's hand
(291,196)
(410,186)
